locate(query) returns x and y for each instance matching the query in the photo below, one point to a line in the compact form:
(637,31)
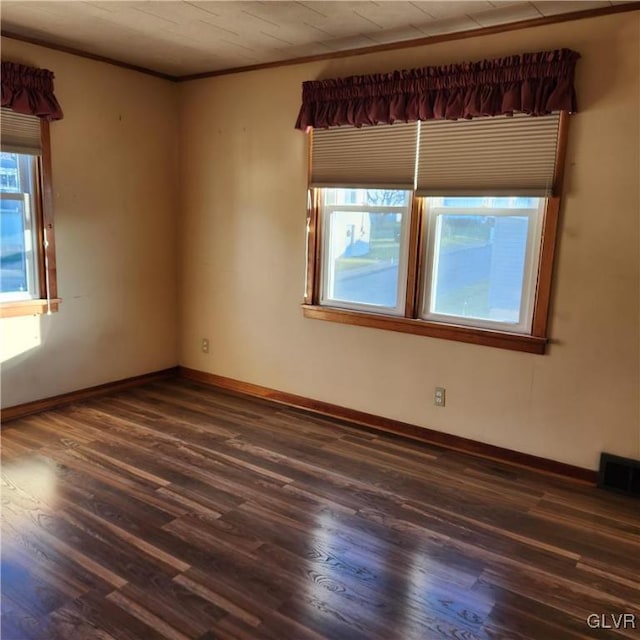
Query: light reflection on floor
(28,495)
(347,572)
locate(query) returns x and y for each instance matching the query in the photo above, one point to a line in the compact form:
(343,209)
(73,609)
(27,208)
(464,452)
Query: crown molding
(392,46)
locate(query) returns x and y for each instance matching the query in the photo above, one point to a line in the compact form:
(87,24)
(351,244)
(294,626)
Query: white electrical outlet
(205,345)
(439,397)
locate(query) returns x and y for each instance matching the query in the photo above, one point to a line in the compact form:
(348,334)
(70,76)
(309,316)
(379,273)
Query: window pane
(514,202)
(480,253)
(364,246)
(9,172)
(13,256)
(17,262)
(480,266)
(373,197)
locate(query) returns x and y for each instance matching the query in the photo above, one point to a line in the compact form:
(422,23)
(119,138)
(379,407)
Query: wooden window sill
(28,307)
(498,339)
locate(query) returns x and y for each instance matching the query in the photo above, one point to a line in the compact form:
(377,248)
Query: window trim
(534,342)
(44,240)
(415,326)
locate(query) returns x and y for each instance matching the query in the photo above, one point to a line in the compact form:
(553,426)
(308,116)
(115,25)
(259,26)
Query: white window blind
(499,155)
(381,156)
(19,133)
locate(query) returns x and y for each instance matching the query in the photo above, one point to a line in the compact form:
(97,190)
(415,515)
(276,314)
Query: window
(444,228)
(19,276)
(27,249)
(365,248)
(481,262)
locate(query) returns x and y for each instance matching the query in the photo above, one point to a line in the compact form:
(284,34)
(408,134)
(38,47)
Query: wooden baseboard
(379,423)
(361,418)
(29,408)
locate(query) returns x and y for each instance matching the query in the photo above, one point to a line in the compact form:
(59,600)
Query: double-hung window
(440,228)
(27,252)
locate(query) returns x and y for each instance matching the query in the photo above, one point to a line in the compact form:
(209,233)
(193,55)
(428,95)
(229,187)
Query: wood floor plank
(178,512)
(107,615)
(48,559)
(75,547)
(18,623)
(70,624)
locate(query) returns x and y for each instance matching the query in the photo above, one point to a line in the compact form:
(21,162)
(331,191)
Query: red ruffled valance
(534,83)
(30,91)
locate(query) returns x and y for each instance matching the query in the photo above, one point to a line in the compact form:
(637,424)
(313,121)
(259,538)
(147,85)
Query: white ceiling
(183,37)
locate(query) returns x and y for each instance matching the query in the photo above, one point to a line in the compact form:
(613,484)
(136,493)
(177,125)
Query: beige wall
(243,209)
(241,222)
(114,171)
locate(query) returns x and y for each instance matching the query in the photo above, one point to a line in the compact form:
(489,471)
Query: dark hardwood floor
(176,511)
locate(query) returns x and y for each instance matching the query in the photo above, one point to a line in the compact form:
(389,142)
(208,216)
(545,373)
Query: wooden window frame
(44,242)
(535,342)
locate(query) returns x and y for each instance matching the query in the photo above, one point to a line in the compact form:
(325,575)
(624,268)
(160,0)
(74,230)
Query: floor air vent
(619,474)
